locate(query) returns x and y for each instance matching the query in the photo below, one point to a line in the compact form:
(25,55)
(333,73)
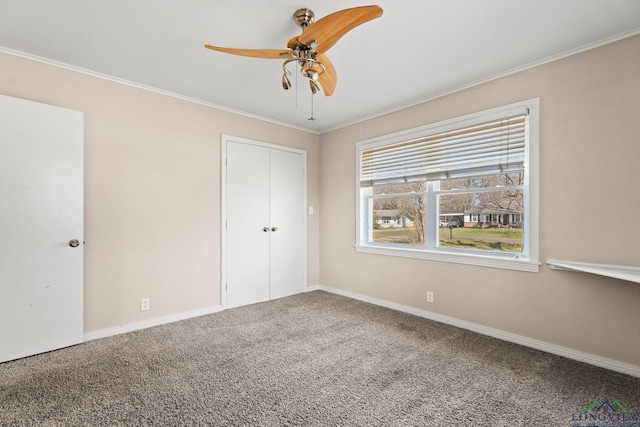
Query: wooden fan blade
(328,30)
(254,53)
(329,78)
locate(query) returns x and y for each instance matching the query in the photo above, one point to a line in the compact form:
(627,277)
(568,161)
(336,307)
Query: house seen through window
(461,189)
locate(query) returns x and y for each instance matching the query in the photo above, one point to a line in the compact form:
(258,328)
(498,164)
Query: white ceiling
(417,50)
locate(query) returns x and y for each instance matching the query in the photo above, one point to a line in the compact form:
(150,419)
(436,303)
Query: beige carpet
(313,359)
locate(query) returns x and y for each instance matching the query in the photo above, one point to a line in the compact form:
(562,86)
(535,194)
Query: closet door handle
(274,229)
(265,229)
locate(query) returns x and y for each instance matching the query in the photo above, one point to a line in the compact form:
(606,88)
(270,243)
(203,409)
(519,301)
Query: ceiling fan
(308,49)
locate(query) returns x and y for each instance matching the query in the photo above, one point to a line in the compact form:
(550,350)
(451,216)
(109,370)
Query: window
(463,190)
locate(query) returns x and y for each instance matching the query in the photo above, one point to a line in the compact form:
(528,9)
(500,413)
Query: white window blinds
(493,147)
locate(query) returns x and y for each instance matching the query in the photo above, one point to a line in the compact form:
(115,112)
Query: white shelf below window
(622,272)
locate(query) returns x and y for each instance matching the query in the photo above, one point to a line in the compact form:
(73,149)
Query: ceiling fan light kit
(307,50)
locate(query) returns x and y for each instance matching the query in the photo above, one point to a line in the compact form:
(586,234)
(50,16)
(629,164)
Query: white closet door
(41,188)
(247,201)
(264,239)
(287,208)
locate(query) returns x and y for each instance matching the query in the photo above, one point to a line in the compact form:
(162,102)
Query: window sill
(457,258)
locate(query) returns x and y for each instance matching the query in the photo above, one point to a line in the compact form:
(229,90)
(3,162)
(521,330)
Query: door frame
(223,205)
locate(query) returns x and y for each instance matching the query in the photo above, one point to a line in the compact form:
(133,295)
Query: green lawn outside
(505,233)
(493,239)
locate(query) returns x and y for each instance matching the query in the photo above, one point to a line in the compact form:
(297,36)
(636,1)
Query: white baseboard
(591,359)
(130,327)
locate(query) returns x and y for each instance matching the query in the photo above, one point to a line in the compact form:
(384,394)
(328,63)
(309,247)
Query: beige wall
(152,201)
(589,200)
(152,190)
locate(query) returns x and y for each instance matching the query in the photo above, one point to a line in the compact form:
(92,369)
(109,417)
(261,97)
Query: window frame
(527,261)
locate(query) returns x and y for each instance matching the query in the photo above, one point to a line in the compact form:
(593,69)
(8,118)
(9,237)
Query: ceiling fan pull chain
(312,118)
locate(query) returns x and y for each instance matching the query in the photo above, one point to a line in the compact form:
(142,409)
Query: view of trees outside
(482,212)
(408,213)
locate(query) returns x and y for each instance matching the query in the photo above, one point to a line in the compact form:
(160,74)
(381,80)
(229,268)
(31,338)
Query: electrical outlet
(429,296)
(145,304)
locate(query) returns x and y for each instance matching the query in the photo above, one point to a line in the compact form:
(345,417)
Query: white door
(265,255)
(41,191)
(248,225)
(287,223)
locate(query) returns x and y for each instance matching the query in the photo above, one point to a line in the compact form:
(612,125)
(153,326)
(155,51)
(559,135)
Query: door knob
(265,229)
(74,243)
(274,229)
